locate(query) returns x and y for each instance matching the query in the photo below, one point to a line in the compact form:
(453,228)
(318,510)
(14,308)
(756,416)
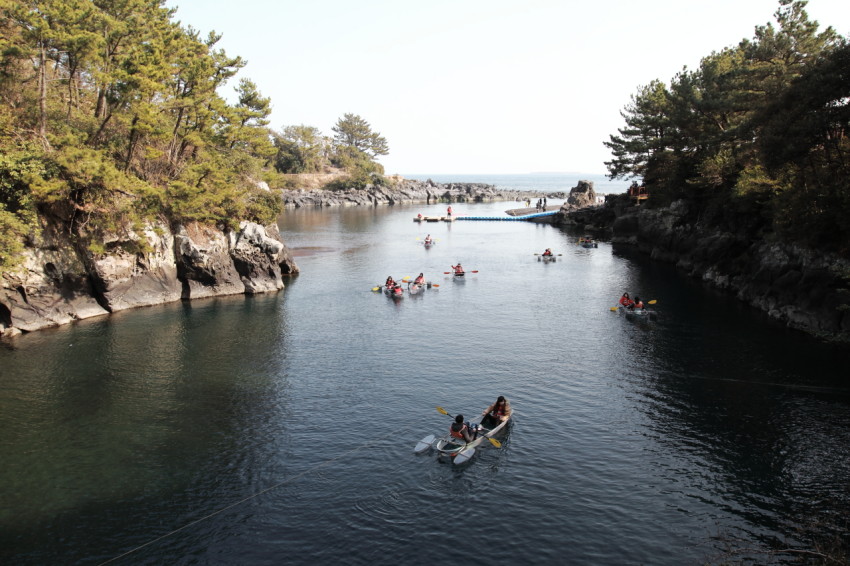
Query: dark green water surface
(279,429)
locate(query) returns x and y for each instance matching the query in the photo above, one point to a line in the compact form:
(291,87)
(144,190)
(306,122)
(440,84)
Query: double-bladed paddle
(652,302)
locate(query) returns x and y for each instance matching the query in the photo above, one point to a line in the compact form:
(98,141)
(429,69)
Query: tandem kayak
(638,314)
(546,258)
(455,448)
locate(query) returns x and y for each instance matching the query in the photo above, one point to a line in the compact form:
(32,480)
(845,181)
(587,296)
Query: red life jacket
(458,269)
(457,433)
(625,301)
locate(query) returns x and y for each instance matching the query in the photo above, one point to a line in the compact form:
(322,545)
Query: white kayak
(455,448)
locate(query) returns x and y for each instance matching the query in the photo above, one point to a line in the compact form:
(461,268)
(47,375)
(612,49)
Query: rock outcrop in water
(803,288)
(59,283)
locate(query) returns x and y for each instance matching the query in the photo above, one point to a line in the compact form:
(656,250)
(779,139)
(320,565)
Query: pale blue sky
(476,86)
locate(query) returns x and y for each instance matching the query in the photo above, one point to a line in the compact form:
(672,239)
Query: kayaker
(458,269)
(428,239)
(497,412)
(420,280)
(397,290)
(548,252)
(638,304)
(460,430)
(625,301)
(390,282)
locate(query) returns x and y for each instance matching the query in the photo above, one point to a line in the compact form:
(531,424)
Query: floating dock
(497,218)
(434,219)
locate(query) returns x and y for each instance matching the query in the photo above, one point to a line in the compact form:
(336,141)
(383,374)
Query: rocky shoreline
(407,191)
(803,288)
(60,283)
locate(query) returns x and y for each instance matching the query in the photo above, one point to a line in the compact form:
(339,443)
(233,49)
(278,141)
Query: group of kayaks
(395,289)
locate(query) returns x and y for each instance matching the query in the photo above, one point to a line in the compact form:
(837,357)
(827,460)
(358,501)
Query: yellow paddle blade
(442,411)
(652,302)
(376,288)
(614,309)
(495,442)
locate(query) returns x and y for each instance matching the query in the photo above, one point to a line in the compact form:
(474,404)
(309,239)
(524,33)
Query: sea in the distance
(543,182)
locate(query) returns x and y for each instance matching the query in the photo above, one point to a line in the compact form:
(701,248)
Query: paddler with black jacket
(460,430)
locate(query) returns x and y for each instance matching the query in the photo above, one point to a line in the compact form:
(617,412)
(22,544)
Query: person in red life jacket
(428,240)
(420,280)
(461,430)
(390,282)
(638,304)
(458,269)
(548,252)
(625,301)
(397,290)
(449,213)
(497,412)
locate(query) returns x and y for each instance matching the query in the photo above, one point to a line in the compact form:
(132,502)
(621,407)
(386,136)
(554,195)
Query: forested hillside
(755,139)
(111,114)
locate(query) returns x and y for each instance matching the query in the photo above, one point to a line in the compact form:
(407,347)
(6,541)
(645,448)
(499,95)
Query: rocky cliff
(59,282)
(804,288)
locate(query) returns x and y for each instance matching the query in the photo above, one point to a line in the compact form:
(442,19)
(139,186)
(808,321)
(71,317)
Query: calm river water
(280,429)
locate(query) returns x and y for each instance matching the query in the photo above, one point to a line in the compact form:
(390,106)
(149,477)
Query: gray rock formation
(58,284)
(803,288)
(405,191)
(581,196)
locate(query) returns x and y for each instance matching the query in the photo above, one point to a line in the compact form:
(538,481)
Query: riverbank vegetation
(111,114)
(755,139)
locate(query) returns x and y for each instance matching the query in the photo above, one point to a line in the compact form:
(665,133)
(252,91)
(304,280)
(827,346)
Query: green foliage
(12,234)
(300,149)
(110,115)
(352,131)
(760,127)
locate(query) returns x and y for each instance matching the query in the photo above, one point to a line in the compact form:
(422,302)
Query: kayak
(638,314)
(455,448)
(415,289)
(396,296)
(546,258)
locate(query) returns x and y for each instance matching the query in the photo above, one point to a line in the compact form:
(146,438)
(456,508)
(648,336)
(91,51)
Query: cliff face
(58,283)
(804,288)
